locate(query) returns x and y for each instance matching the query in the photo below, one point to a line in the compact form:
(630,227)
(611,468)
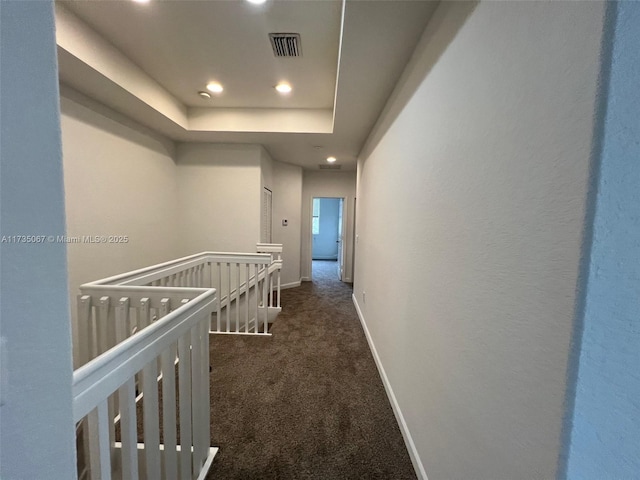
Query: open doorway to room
(327,232)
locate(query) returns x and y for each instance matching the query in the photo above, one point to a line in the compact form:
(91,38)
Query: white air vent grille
(324,166)
(286,44)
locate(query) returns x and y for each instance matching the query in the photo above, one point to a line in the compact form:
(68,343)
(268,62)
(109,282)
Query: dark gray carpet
(306,403)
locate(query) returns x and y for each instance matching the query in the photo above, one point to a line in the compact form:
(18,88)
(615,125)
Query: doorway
(327,233)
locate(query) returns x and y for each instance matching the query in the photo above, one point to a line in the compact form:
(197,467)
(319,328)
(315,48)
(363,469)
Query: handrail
(100,377)
(134,325)
(105,389)
(237,277)
(269,247)
(260,258)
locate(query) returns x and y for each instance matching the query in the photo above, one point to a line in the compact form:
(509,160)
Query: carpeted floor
(306,403)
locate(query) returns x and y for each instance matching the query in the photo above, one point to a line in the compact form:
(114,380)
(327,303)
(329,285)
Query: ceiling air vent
(286,44)
(323,166)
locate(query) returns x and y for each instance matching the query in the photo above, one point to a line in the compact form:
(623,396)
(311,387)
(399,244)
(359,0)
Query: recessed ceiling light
(141,1)
(257,2)
(205,95)
(283,88)
(215,87)
(331,159)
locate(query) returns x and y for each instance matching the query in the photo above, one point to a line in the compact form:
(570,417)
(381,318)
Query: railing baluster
(100,446)
(102,321)
(270,288)
(169,412)
(144,313)
(106,340)
(196,405)
(144,319)
(228,307)
(204,386)
(165,309)
(219,287)
(85,330)
(246,301)
(129,451)
(256,289)
(265,304)
(184,381)
(279,271)
(237,297)
(150,419)
(123,329)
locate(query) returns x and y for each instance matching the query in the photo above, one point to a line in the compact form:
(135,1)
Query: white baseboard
(290,285)
(408,440)
(305,279)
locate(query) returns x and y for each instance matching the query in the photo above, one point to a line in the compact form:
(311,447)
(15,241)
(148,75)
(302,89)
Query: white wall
(219,197)
(470,216)
(120,180)
(287,205)
(327,184)
(36,421)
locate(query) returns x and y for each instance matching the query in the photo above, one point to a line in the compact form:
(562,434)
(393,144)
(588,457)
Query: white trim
(269,247)
(408,440)
(291,285)
(251,334)
(305,279)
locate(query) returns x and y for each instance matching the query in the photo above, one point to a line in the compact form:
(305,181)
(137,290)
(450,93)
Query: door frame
(341,261)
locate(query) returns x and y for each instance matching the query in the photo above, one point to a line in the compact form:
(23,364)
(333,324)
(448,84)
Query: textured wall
(219,197)
(120,179)
(605,442)
(470,218)
(36,422)
(118,176)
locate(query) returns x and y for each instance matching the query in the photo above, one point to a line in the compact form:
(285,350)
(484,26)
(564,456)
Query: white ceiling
(148,61)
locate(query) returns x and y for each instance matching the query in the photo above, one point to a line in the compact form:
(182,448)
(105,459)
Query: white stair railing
(105,389)
(275,249)
(248,286)
(133,329)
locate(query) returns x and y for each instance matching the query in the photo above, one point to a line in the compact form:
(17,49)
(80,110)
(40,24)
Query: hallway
(308,402)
